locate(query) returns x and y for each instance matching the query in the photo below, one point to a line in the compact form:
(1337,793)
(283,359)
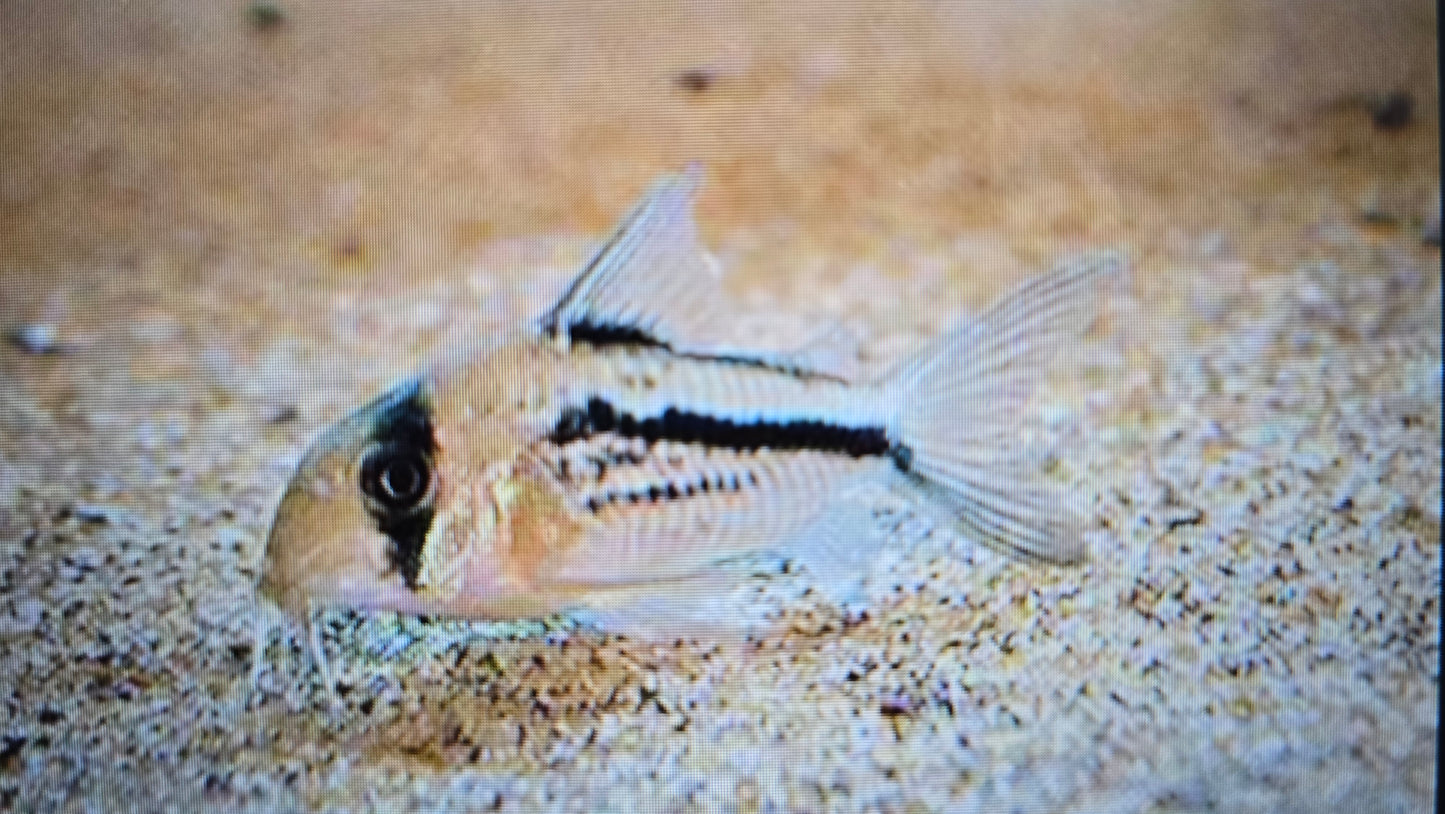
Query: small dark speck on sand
(896,705)
(282,415)
(10,749)
(93,513)
(1393,111)
(696,80)
(264,15)
(1430,234)
(37,339)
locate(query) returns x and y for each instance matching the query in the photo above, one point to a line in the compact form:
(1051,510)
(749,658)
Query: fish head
(353,522)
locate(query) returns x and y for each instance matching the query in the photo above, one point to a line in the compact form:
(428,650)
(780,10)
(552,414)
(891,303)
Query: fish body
(612,453)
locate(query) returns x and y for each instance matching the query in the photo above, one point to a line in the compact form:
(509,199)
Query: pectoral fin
(715,603)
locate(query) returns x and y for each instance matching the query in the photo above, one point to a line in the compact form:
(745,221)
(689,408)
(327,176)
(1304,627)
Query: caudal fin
(961,405)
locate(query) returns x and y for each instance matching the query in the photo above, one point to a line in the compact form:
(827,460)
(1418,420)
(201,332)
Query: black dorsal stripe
(604,335)
(599,416)
(600,335)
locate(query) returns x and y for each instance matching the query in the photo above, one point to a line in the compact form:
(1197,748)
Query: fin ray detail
(650,283)
(962,399)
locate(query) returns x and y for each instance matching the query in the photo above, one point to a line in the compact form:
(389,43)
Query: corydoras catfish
(610,458)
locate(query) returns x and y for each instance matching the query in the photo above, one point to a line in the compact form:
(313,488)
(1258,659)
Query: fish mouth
(306,547)
(340,571)
(280,569)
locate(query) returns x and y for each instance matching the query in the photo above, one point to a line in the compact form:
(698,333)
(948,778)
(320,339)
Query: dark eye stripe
(401,430)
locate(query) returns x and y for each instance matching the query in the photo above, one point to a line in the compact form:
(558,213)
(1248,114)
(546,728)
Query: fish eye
(397,478)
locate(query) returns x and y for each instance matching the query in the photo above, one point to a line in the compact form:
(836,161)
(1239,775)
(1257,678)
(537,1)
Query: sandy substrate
(220,229)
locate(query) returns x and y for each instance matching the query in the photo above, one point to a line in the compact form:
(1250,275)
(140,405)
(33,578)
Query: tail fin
(962,401)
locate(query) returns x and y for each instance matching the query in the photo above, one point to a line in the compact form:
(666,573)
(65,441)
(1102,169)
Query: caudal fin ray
(1001,359)
(962,405)
(1014,341)
(1029,533)
(1024,522)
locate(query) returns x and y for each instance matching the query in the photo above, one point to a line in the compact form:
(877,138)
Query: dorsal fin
(652,283)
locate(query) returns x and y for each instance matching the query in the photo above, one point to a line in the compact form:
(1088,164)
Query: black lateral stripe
(681,426)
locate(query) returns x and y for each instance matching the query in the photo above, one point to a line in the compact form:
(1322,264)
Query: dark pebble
(1394,111)
(696,80)
(283,415)
(265,16)
(38,339)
